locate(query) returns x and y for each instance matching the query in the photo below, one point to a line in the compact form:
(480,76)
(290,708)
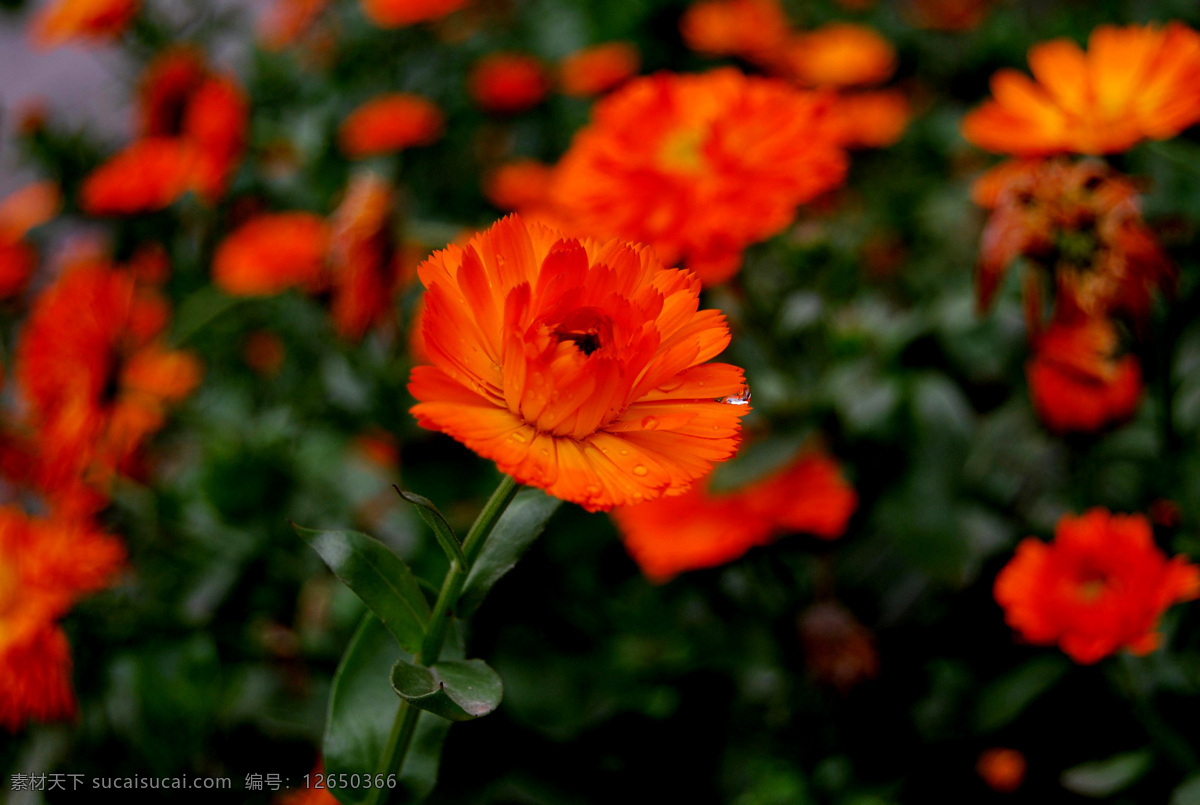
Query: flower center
(1091,584)
(586,328)
(588,342)
(682,150)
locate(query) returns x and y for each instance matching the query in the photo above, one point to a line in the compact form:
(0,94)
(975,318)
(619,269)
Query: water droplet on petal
(649,423)
(671,384)
(518,437)
(741,398)
(640,470)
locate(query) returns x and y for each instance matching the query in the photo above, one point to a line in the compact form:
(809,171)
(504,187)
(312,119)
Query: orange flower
(1077,380)
(288,20)
(1081,223)
(152,174)
(1101,586)
(700,529)
(390,123)
(20,212)
(755,30)
(1133,83)
(950,15)
(272,253)
(841,55)
(577,366)
(97,378)
(519,185)
(362,257)
(506,83)
(96,20)
(598,69)
(396,13)
(1002,769)
(46,566)
(699,166)
(870,119)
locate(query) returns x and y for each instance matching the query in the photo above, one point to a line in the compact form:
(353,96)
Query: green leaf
(1188,793)
(455,690)
(518,527)
(378,577)
(434,519)
(1104,777)
(1007,697)
(362,708)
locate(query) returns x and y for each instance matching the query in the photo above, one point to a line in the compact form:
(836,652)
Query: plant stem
(405,724)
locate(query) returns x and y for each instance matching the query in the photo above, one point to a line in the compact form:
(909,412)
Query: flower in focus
(1002,769)
(838,650)
(598,69)
(755,30)
(46,566)
(152,174)
(506,83)
(1101,586)
(288,20)
(577,366)
(98,20)
(362,257)
(841,55)
(699,166)
(388,124)
(699,528)
(1133,83)
(873,119)
(97,378)
(397,13)
(26,209)
(1077,379)
(272,253)
(1081,224)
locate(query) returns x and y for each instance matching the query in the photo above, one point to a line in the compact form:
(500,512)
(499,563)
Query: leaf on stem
(517,529)
(434,519)
(455,690)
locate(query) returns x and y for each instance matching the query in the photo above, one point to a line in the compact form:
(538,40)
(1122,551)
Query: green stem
(405,724)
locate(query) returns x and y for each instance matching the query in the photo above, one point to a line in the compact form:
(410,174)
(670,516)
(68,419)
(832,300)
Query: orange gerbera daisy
(704,529)
(1077,379)
(396,13)
(699,166)
(506,83)
(96,376)
(1101,586)
(577,366)
(272,253)
(1133,83)
(841,54)
(362,257)
(598,69)
(1081,224)
(46,566)
(98,20)
(755,30)
(20,212)
(390,123)
(152,174)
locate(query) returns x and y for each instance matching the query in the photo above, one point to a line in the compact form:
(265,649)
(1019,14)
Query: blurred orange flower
(288,20)
(598,69)
(26,209)
(840,54)
(272,253)
(152,174)
(264,352)
(874,119)
(506,83)
(1101,586)
(950,15)
(577,366)
(46,566)
(755,30)
(1133,83)
(1081,223)
(362,257)
(396,13)
(699,166)
(1002,769)
(65,20)
(390,123)
(1077,379)
(519,186)
(699,528)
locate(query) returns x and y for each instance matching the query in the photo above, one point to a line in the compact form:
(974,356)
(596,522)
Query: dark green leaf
(1188,793)
(362,708)
(1007,697)
(519,526)
(434,519)
(455,690)
(1104,777)
(378,577)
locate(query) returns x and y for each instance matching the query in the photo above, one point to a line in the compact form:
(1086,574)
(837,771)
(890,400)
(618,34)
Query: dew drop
(640,470)
(518,437)
(671,384)
(649,423)
(741,398)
